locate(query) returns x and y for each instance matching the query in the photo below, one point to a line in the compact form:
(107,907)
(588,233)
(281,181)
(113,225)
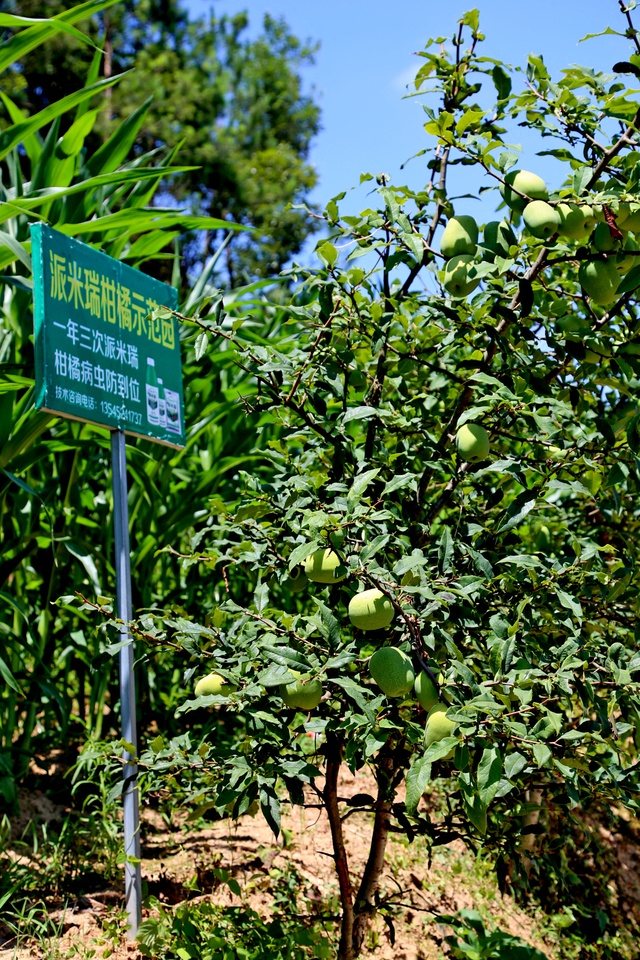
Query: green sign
(106,352)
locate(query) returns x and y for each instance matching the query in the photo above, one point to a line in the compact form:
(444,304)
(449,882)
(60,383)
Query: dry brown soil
(248,850)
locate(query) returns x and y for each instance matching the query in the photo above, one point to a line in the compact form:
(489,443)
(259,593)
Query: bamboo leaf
(22,43)
(16,133)
(111,154)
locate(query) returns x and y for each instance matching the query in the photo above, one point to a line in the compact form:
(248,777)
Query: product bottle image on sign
(152,392)
(162,405)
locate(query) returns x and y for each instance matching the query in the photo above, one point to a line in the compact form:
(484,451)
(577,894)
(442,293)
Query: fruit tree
(445,553)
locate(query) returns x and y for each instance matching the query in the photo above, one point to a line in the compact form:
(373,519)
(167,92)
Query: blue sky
(366,58)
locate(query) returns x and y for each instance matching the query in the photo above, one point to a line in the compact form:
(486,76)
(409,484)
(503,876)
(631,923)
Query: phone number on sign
(121,413)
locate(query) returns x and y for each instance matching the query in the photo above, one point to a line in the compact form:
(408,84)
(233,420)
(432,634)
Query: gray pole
(132,875)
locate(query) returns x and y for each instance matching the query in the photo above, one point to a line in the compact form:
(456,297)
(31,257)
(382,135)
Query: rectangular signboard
(104,350)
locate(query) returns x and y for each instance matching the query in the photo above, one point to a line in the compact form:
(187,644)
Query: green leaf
(112,153)
(201,344)
(630,282)
(330,622)
(542,754)
(570,604)
(328,253)
(275,675)
(477,813)
(377,544)
(418,776)
(33,144)
(17,249)
(26,40)
(608,32)
(489,774)
(445,550)
(440,749)
(301,552)
(7,676)
(502,81)
(360,483)
(359,413)
(261,596)
(286,656)
(15,134)
(523,504)
(270,806)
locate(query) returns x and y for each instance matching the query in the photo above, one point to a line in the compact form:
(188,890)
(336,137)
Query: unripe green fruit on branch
(576,221)
(438,725)
(393,671)
(321,567)
(625,260)
(497,237)
(530,184)
(599,279)
(214,685)
(541,219)
(300,695)
(296,581)
(456,279)
(370,610)
(632,222)
(460,237)
(425,690)
(603,241)
(472,442)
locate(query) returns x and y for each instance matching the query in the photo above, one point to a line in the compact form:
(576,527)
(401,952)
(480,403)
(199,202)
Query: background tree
(55,497)
(235,105)
(461,439)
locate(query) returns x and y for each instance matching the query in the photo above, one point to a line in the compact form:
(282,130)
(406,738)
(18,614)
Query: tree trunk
(530,820)
(365,906)
(330,796)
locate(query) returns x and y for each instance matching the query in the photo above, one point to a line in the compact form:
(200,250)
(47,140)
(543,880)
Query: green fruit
(296,581)
(370,610)
(301,695)
(497,237)
(599,279)
(214,685)
(624,262)
(632,222)
(602,239)
(392,670)
(321,567)
(525,182)
(622,214)
(472,442)
(456,280)
(460,236)
(438,725)
(541,219)
(426,691)
(576,222)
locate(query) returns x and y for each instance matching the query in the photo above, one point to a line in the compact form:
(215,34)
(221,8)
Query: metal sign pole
(133,879)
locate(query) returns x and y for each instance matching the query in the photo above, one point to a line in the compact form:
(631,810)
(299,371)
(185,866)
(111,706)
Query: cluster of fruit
(390,667)
(526,194)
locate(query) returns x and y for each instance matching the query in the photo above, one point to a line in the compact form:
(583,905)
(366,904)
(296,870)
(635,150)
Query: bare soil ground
(172,860)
